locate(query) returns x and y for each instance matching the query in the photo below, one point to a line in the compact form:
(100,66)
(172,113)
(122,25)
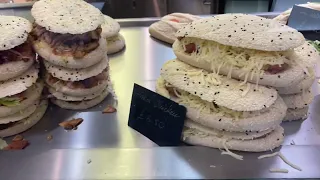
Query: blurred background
(157,8)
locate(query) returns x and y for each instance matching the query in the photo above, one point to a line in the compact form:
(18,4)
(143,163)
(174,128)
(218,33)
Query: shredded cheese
(228,152)
(288,162)
(248,60)
(278,170)
(268,155)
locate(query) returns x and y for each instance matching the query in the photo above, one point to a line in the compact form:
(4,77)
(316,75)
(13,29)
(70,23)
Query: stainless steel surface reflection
(104,147)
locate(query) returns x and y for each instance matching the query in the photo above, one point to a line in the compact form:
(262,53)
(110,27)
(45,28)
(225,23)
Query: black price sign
(305,20)
(156,117)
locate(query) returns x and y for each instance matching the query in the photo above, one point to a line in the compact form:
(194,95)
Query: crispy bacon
(274,69)
(22,52)
(78,45)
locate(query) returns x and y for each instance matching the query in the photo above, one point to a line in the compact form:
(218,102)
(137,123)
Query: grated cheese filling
(248,60)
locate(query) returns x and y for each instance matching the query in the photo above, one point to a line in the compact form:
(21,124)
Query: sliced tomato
(190,48)
(274,69)
(174,20)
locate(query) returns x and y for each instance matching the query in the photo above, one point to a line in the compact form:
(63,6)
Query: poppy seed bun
(296,114)
(266,143)
(78,91)
(13,69)
(18,84)
(226,134)
(300,100)
(168,25)
(65,97)
(110,27)
(305,84)
(82,104)
(256,121)
(226,92)
(238,30)
(115,44)
(26,123)
(68,61)
(14,31)
(66,16)
(20,115)
(76,74)
(32,94)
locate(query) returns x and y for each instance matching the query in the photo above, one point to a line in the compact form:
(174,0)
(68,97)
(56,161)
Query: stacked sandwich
(20,89)
(227,69)
(168,25)
(67,35)
(110,31)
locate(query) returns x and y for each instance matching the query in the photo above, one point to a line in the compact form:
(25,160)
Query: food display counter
(104,147)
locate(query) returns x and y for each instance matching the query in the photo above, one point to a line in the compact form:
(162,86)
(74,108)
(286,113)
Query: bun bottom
(81,105)
(296,114)
(268,142)
(115,44)
(26,123)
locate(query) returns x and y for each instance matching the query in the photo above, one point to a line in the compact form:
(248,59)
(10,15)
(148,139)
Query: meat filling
(83,84)
(78,45)
(22,52)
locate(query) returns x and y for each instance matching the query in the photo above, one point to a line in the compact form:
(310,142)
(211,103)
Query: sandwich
(247,47)
(223,112)
(67,37)
(284,16)
(20,90)
(168,25)
(110,31)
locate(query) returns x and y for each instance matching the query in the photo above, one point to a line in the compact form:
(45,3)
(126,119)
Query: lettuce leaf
(316,44)
(10,101)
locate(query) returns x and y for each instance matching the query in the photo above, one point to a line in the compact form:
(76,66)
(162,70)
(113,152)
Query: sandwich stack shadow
(228,72)
(21,105)
(67,36)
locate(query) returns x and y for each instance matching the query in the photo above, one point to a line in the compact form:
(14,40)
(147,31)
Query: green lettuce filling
(316,44)
(10,101)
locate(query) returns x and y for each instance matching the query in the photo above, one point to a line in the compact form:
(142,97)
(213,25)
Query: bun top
(14,31)
(245,31)
(110,27)
(67,16)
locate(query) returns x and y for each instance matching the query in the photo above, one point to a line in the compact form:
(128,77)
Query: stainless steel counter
(104,147)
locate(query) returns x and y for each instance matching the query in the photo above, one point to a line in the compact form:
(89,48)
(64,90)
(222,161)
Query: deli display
(235,78)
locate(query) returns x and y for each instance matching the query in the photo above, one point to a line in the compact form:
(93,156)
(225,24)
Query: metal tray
(104,147)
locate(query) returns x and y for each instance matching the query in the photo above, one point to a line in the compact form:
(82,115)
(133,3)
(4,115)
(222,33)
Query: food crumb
(71,124)
(292,142)
(212,166)
(49,137)
(89,161)
(109,109)
(18,138)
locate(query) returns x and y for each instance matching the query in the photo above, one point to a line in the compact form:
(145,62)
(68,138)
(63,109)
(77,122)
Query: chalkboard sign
(156,117)
(305,20)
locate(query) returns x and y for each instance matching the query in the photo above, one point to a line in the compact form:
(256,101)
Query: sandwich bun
(77,91)
(226,134)
(19,84)
(65,97)
(14,68)
(68,61)
(26,123)
(81,105)
(223,91)
(296,114)
(67,16)
(253,121)
(67,74)
(115,44)
(300,100)
(268,142)
(110,27)
(303,85)
(20,115)
(245,31)
(32,95)
(14,31)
